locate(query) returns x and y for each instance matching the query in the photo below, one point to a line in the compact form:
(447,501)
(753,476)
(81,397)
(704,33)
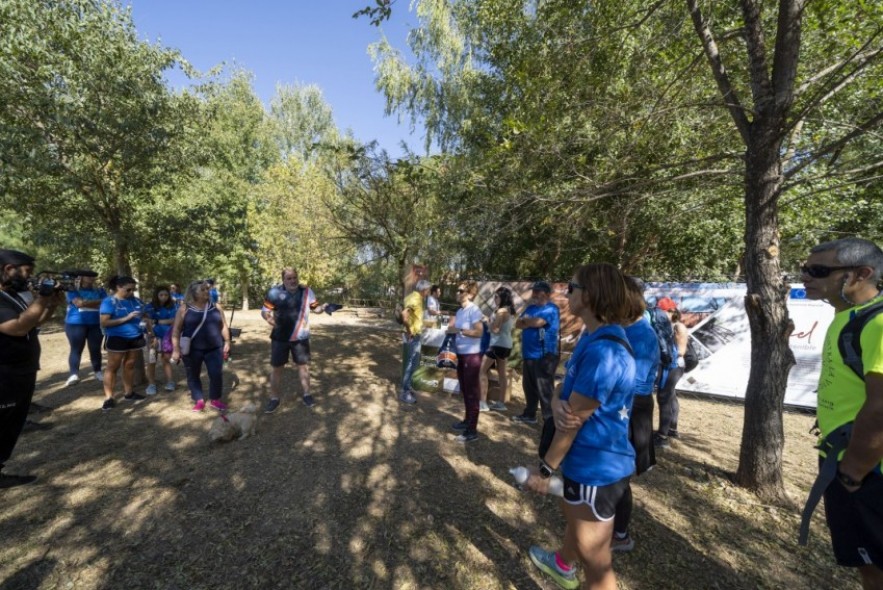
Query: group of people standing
(598,424)
(126,326)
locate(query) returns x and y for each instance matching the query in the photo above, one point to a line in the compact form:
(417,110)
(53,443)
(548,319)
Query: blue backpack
(665,335)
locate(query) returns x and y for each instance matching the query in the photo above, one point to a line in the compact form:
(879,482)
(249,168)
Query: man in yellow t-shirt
(412,329)
(846,273)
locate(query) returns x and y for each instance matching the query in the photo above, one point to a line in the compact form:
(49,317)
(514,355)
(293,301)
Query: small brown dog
(237,425)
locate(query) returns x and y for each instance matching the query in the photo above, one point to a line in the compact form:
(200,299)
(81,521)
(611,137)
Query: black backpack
(397,313)
(849,342)
(691,356)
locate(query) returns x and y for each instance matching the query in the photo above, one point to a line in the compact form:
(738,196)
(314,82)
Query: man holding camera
(19,350)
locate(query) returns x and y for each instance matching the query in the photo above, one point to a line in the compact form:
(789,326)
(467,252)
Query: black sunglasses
(820,271)
(571,286)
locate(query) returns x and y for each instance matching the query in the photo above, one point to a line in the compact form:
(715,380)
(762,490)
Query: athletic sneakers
(309,401)
(461,426)
(218,405)
(483,407)
(199,406)
(272,405)
(99,376)
(170,386)
(72,380)
(524,419)
(109,404)
(624,544)
(545,560)
(151,389)
(408,398)
(10,481)
(466,437)
(498,406)
(133,397)
(660,442)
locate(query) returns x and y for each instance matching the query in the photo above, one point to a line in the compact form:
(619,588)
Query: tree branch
(719,71)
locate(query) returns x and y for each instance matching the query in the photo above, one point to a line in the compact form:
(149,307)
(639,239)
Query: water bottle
(521,474)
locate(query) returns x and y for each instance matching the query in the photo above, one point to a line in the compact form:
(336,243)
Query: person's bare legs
(486,364)
(275,381)
(503,380)
(588,540)
(129,370)
(304,374)
(114,360)
(167,367)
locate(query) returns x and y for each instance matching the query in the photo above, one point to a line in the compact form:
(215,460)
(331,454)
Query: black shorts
(856,522)
(498,352)
(299,350)
(641,433)
(601,499)
(118,344)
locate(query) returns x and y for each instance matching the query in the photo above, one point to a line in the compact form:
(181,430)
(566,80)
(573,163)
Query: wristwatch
(545,470)
(848,481)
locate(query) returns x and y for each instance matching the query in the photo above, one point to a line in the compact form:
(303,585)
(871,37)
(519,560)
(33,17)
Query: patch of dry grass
(360,492)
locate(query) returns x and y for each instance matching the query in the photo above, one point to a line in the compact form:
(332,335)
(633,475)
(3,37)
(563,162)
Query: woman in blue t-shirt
(121,315)
(82,326)
(592,447)
(160,314)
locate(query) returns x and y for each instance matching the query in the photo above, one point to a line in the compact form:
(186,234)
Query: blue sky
(289,41)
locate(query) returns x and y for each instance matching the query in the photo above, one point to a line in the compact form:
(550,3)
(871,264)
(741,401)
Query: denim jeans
(78,335)
(214,366)
(410,361)
(667,397)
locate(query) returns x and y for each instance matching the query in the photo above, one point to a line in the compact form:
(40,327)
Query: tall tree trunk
(243,290)
(760,458)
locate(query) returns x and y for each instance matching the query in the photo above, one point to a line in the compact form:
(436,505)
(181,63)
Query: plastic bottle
(521,474)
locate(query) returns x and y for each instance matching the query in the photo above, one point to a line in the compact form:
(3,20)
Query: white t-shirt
(431,305)
(465,319)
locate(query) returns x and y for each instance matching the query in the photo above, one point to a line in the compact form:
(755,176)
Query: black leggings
(16,392)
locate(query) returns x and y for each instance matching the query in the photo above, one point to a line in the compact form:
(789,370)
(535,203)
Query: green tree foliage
(88,125)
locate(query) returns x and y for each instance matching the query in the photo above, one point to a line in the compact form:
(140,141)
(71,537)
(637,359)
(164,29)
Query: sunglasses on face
(461,290)
(571,287)
(820,271)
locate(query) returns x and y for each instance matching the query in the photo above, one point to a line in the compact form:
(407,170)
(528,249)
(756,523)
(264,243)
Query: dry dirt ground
(360,492)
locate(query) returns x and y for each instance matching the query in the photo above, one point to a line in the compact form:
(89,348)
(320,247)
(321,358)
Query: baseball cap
(15,258)
(666,304)
(541,286)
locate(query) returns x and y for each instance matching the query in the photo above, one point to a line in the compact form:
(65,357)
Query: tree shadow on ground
(357,492)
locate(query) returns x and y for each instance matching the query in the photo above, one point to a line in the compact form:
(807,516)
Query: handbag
(447,358)
(185,341)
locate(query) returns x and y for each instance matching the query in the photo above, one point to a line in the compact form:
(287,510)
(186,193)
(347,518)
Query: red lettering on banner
(807,334)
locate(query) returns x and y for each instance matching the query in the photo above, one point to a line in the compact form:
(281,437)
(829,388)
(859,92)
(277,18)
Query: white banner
(715,315)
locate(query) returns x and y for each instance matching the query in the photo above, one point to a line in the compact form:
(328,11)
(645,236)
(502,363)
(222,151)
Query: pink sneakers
(200,406)
(218,405)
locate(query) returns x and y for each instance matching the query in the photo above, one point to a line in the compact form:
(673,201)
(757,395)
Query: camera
(48,282)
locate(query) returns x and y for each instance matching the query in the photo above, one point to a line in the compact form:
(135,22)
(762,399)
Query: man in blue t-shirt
(539,323)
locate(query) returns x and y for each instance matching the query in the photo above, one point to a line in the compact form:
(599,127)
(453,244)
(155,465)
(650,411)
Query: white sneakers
(151,389)
(99,376)
(72,380)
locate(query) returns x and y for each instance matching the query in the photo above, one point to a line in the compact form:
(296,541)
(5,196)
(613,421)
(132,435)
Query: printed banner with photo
(715,315)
